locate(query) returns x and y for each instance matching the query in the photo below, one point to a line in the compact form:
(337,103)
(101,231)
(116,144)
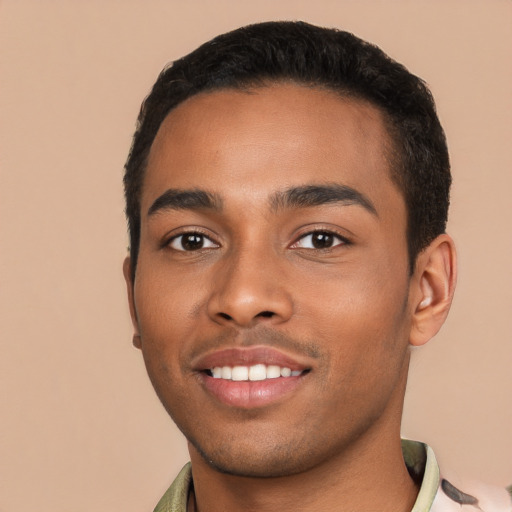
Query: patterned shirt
(437,494)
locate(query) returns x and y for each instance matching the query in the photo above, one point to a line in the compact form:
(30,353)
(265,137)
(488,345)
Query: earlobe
(136,341)
(127,272)
(434,285)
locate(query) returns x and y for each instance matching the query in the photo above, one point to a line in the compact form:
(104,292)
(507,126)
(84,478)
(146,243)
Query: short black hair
(271,52)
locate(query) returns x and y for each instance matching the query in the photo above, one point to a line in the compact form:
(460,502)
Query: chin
(255,466)
(257,459)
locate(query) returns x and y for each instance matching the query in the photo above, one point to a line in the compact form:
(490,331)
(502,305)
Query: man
(287,193)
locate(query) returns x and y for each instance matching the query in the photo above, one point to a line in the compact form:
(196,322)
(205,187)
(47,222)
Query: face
(271,291)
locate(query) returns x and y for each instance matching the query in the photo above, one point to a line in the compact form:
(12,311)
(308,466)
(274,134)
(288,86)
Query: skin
(348,312)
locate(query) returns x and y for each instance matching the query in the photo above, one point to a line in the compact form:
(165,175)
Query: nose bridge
(250,286)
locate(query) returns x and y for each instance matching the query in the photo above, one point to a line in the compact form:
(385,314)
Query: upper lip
(248,356)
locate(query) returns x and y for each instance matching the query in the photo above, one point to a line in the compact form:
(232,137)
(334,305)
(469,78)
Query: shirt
(437,494)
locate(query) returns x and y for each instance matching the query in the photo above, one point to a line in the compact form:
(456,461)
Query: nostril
(241,319)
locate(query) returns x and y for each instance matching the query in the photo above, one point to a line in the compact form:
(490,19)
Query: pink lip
(249,394)
(247,356)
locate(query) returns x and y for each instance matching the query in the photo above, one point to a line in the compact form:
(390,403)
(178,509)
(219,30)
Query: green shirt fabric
(437,494)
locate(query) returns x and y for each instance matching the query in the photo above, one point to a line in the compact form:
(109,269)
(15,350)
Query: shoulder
(455,492)
(442,491)
(475,496)
(175,499)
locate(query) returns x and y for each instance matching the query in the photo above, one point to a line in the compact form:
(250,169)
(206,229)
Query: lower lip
(250,394)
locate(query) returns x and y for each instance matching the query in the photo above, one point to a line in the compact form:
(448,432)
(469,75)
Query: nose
(250,288)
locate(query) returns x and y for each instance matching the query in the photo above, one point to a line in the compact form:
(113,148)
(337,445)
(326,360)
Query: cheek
(162,296)
(363,319)
(167,309)
(166,321)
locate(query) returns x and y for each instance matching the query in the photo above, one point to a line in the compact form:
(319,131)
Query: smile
(255,372)
(251,377)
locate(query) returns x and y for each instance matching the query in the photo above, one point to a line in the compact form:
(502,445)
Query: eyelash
(326,232)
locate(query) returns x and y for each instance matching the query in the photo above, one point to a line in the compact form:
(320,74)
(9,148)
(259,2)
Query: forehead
(269,138)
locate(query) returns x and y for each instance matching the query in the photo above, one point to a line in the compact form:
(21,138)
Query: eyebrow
(308,196)
(305,196)
(178,199)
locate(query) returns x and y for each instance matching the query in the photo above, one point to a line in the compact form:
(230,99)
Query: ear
(432,289)
(127,271)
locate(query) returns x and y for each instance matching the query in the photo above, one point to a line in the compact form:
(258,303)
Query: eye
(191,242)
(319,240)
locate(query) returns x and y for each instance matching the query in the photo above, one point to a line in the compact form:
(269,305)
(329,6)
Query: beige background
(80,427)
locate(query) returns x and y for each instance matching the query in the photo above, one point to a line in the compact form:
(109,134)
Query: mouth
(257,372)
(250,377)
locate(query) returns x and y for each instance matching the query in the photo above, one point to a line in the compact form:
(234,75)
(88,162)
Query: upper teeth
(255,372)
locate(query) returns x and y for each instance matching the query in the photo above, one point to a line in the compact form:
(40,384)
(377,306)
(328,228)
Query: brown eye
(322,240)
(319,240)
(191,242)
